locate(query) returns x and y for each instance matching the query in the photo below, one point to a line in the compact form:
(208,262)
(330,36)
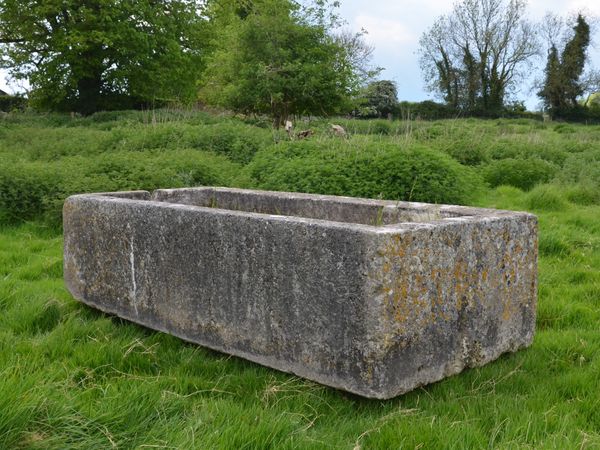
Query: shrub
(10,103)
(516,149)
(382,127)
(584,194)
(26,189)
(504,150)
(239,142)
(236,141)
(364,169)
(546,197)
(563,128)
(468,152)
(521,173)
(33,189)
(582,168)
(426,110)
(545,152)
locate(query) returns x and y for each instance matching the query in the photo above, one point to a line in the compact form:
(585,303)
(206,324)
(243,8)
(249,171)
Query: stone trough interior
(335,209)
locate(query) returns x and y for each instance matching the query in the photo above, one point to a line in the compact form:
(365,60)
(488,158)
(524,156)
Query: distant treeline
(284,58)
(430,110)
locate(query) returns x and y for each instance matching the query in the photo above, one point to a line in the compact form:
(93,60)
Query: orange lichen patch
(419,290)
(386,267)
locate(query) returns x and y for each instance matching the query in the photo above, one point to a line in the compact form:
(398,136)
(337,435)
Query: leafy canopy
(476,55)
(277,57)
(380,98)
(88,55)
(563,84)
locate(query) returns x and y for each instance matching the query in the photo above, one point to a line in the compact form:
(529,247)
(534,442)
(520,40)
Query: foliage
(573,61)
(380,98)
(562,85)
(357,55)
(521,173)
(38,189)
(582,167)
(551,93)
(43,163)
(473,57)
(366,169)
(426,110)
(546,197)
(276,59)
(583,193)
(89,55)
(12,102)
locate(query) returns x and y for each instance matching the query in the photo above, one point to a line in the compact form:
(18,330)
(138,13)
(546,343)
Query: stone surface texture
(369,296)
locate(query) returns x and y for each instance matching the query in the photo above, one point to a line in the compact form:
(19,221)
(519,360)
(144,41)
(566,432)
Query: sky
(395,26)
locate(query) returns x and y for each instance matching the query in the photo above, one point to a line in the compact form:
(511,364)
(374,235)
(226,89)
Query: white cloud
(384,32)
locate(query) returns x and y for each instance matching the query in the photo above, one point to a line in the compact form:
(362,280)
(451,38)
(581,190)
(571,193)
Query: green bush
(10,103)
(364,169)
(521,173)
(563,128)
(27,189)
(545,152)
(582,167)
(236,141)
(239,142)
(426,110)
(546,197)
(584,194)
(468,152)
(30,190)
(382,127)
(502,150)
(521,149)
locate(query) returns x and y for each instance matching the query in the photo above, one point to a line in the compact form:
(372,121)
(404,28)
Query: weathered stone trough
(373,297)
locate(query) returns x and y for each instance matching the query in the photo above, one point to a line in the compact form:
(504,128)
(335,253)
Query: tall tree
(573,61)
(278,58)
(552,91)
(563,82)
(474,56)
(86,55)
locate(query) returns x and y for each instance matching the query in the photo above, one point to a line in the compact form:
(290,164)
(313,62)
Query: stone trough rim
(469,214)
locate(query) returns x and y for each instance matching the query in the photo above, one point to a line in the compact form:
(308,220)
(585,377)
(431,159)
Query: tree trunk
(89,90)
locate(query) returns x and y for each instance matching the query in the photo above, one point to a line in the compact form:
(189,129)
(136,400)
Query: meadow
(72,377)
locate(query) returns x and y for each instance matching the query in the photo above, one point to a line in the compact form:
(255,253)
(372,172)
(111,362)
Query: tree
(563,83)
(478,53)
(87,55)
(552,91)
(357,55)
(573,61)
(381,97)
(278,58)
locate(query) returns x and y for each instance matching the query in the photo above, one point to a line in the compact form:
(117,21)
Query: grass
(72,377)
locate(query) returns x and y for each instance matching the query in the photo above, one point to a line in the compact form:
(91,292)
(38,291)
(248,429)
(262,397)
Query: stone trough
(373,297)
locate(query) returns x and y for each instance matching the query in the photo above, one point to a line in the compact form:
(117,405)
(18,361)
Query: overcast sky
(394,28)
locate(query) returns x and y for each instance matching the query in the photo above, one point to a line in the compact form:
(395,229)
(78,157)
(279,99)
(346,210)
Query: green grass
(72,377)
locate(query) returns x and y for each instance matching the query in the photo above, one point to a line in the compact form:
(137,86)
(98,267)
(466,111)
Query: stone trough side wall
(375,310)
